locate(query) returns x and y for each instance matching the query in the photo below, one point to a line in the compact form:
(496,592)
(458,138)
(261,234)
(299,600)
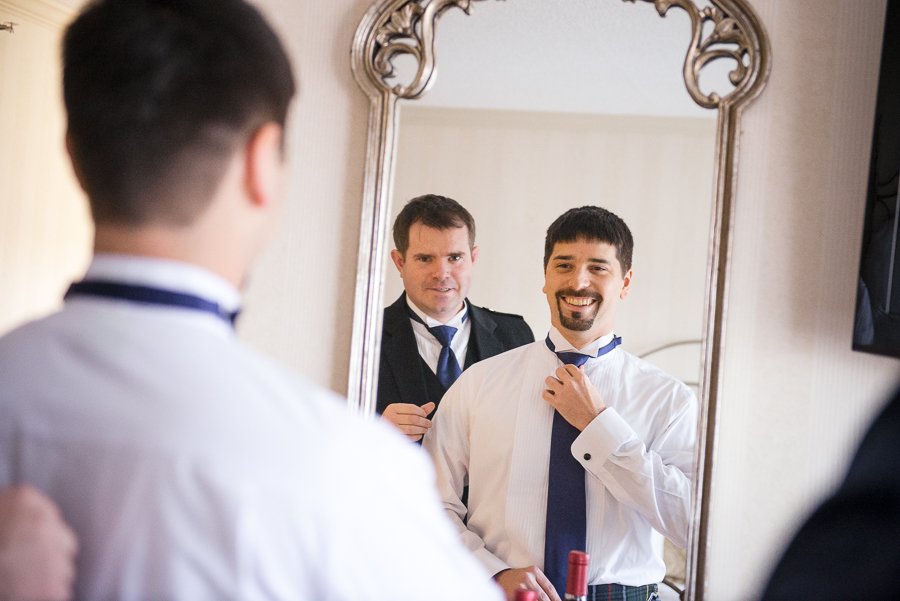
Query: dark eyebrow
(422,256)
(572,258)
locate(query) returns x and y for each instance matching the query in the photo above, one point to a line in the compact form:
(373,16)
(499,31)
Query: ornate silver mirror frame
(393,27)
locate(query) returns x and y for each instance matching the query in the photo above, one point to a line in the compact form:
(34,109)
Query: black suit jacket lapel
(483,343)
(402,353)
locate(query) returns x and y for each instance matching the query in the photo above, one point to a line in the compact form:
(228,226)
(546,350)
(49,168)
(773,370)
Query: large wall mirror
(544,105)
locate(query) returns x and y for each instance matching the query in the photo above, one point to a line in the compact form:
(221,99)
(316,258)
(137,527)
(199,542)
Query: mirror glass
(544,105)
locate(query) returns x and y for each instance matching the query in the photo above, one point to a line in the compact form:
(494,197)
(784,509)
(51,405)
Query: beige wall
(299,307)
(795,397)
(45,230)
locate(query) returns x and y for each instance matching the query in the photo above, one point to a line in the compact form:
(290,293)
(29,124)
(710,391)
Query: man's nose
(580,279)
(441,269)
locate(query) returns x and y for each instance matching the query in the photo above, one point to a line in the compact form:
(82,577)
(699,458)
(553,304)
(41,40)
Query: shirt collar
(456,322)
(564,346)
(166,274)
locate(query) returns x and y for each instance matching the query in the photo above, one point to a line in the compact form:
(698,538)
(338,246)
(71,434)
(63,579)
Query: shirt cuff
(490,561)
(600,439)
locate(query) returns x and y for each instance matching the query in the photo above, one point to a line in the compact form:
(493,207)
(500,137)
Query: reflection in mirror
(518,149)
(517,171)
(542,106)
(516,133)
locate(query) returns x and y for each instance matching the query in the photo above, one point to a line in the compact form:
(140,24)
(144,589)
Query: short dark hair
(438,212)
(593,224)
(159,95)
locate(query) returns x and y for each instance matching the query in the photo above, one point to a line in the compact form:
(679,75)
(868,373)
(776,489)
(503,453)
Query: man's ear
(397,258)
(475,252)
(626,285)
(264,165)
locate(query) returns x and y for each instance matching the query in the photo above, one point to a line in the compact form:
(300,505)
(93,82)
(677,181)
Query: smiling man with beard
(570,443)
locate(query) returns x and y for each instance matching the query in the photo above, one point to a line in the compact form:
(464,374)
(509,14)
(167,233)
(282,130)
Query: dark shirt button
(587,456)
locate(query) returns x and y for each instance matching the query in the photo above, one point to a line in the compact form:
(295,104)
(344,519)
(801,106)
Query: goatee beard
(578,322)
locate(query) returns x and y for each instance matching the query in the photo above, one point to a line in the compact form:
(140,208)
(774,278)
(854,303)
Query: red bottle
(576,581)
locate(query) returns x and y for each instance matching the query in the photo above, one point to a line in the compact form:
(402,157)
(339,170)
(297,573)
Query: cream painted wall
(299,306)
(795,398)
(45,229)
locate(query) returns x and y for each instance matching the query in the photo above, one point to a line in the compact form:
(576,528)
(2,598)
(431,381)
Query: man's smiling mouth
(577,301)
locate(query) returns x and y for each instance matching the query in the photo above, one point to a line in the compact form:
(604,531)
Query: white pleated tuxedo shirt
(193,468)
(492,431)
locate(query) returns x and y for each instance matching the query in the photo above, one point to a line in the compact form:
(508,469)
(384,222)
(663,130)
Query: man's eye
(455,257)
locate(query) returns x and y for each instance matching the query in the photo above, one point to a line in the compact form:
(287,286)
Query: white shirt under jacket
(492,431)
(193,468)
(430,347)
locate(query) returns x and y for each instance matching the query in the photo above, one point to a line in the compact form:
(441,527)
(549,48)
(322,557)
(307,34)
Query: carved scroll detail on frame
(410,29)
(727,40)
(394,27)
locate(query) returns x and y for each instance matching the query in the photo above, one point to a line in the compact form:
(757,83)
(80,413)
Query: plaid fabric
(620,592)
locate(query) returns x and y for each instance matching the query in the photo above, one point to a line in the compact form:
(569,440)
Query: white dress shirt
(430,347)
(191,467)
(492,431)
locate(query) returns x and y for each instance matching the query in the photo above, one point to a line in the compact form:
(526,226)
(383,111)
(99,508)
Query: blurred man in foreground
(189,466)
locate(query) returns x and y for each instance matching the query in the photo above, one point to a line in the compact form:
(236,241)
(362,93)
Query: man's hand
(37,549)
(574,396)
(529,579)
(411,419)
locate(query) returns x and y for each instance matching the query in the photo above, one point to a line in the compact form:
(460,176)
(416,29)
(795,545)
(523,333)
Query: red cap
(523,595)
(576,583)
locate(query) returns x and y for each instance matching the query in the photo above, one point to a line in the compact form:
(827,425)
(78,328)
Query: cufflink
(587,456)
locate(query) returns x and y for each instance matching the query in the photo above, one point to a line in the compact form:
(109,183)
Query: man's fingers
(406,409)
(546,586)
(549,396)
(569,371)
(411,419)
(414,430)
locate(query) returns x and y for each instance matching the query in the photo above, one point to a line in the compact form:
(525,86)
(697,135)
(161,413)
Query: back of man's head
(159,96)
(434,211)
(592,224)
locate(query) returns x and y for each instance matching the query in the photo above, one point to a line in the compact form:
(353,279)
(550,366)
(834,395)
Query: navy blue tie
(149,295)
(566,528)
(447,366)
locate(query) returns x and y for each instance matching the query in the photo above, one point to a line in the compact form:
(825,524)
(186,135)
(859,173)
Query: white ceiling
(583,56)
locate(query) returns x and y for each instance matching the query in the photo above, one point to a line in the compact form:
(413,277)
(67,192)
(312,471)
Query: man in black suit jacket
(850,547)
(435,252)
